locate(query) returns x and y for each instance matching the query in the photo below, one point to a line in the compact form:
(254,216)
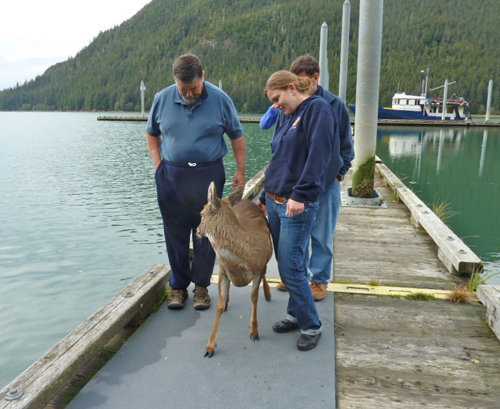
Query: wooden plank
(136,117)
(254,185)
(489,295)
(454,253)
(395,353)
(48,378)
(391,291)
(367,289)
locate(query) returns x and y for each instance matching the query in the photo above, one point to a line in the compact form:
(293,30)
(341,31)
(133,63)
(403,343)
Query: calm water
(78,222)
(79,219)
(456,166)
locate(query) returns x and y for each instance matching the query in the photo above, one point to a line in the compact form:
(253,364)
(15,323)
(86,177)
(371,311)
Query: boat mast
(426,86)
(425,82)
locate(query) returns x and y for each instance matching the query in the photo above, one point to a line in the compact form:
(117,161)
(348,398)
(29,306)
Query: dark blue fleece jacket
(304,146)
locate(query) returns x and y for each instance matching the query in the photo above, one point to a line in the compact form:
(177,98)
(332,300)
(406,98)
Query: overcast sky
(35,34)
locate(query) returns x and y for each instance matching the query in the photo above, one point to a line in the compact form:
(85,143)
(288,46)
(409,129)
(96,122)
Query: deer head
(217,214)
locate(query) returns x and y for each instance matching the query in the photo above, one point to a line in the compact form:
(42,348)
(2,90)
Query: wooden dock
(137,117)
(255,118)
(399,342)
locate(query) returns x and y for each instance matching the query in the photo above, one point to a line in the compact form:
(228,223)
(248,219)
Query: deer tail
(267,290)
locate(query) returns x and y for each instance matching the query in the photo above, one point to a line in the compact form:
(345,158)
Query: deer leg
(226,304)
(221,304)
(254,331)
(265,287)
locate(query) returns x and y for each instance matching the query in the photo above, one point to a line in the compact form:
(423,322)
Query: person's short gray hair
(187,68)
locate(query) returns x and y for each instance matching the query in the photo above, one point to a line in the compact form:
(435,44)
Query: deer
(240,237)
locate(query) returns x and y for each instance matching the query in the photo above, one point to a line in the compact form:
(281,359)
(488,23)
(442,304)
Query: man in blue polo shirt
(185,134)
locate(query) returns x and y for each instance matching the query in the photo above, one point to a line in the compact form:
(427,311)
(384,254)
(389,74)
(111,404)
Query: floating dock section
(255,118)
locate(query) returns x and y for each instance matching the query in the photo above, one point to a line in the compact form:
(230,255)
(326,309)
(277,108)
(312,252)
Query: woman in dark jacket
(304,146)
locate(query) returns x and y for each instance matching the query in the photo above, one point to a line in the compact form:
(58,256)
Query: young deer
(238,232)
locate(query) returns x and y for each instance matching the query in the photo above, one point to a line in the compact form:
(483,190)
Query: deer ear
(212,195)
(236,195)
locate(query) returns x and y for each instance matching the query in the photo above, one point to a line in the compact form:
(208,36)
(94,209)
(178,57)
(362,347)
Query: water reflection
(456,166)
(483,152)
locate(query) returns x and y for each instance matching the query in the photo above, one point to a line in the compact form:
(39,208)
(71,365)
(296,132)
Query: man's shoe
(318,291)
(281,286)
(177,299)
(307,342)
(285,326)
(201,299)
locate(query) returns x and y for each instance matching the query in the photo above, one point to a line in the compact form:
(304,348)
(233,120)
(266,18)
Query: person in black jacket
(320,265)
(303,145)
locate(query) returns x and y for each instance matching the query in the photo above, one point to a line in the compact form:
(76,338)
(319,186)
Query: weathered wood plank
(490,297)
(137,117)
(254,185)
(380,245)
(394,353)
(453,251)
(47,379)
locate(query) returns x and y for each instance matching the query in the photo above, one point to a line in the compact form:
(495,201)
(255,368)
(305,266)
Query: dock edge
(67,366)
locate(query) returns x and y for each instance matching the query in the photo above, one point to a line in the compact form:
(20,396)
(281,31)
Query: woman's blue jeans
(290,238)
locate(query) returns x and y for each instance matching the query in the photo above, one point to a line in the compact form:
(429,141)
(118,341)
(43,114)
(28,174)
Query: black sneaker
(285,326)
(281,286)
(177,299)
(307,342)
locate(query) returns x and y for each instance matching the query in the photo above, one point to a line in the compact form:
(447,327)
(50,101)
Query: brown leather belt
(277,198)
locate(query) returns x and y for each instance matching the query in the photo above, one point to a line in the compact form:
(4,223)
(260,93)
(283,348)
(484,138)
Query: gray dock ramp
(162,364)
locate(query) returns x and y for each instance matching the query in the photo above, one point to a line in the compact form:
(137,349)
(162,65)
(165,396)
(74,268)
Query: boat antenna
(422,83)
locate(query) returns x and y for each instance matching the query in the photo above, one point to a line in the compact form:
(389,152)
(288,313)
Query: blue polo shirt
(193,133)
(304,147)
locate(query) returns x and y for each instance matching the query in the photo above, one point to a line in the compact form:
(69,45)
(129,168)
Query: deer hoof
(210,353)
(254,337)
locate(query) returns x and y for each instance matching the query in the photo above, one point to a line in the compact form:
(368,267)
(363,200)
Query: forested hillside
(241,42)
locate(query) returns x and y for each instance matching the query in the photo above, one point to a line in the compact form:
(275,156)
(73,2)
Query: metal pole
(488,101)
(220,84)
(367,93)
(344,50)
(142,88)
(445,98)
(426,82)
(324,77)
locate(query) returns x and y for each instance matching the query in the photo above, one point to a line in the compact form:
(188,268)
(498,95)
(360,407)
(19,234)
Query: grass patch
(443,211)
(419,297)
(393,196)
(374,283)
(343,282)
(461,295)
(478,278)
(363,179)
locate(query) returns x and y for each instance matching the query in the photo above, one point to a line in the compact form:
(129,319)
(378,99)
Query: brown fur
(239,234)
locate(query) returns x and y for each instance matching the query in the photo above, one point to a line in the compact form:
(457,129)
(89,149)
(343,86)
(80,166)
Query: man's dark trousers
(182,192)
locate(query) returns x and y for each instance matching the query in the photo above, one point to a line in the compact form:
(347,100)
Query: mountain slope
(241,42)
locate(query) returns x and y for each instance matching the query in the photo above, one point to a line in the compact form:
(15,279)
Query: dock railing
(456,256)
